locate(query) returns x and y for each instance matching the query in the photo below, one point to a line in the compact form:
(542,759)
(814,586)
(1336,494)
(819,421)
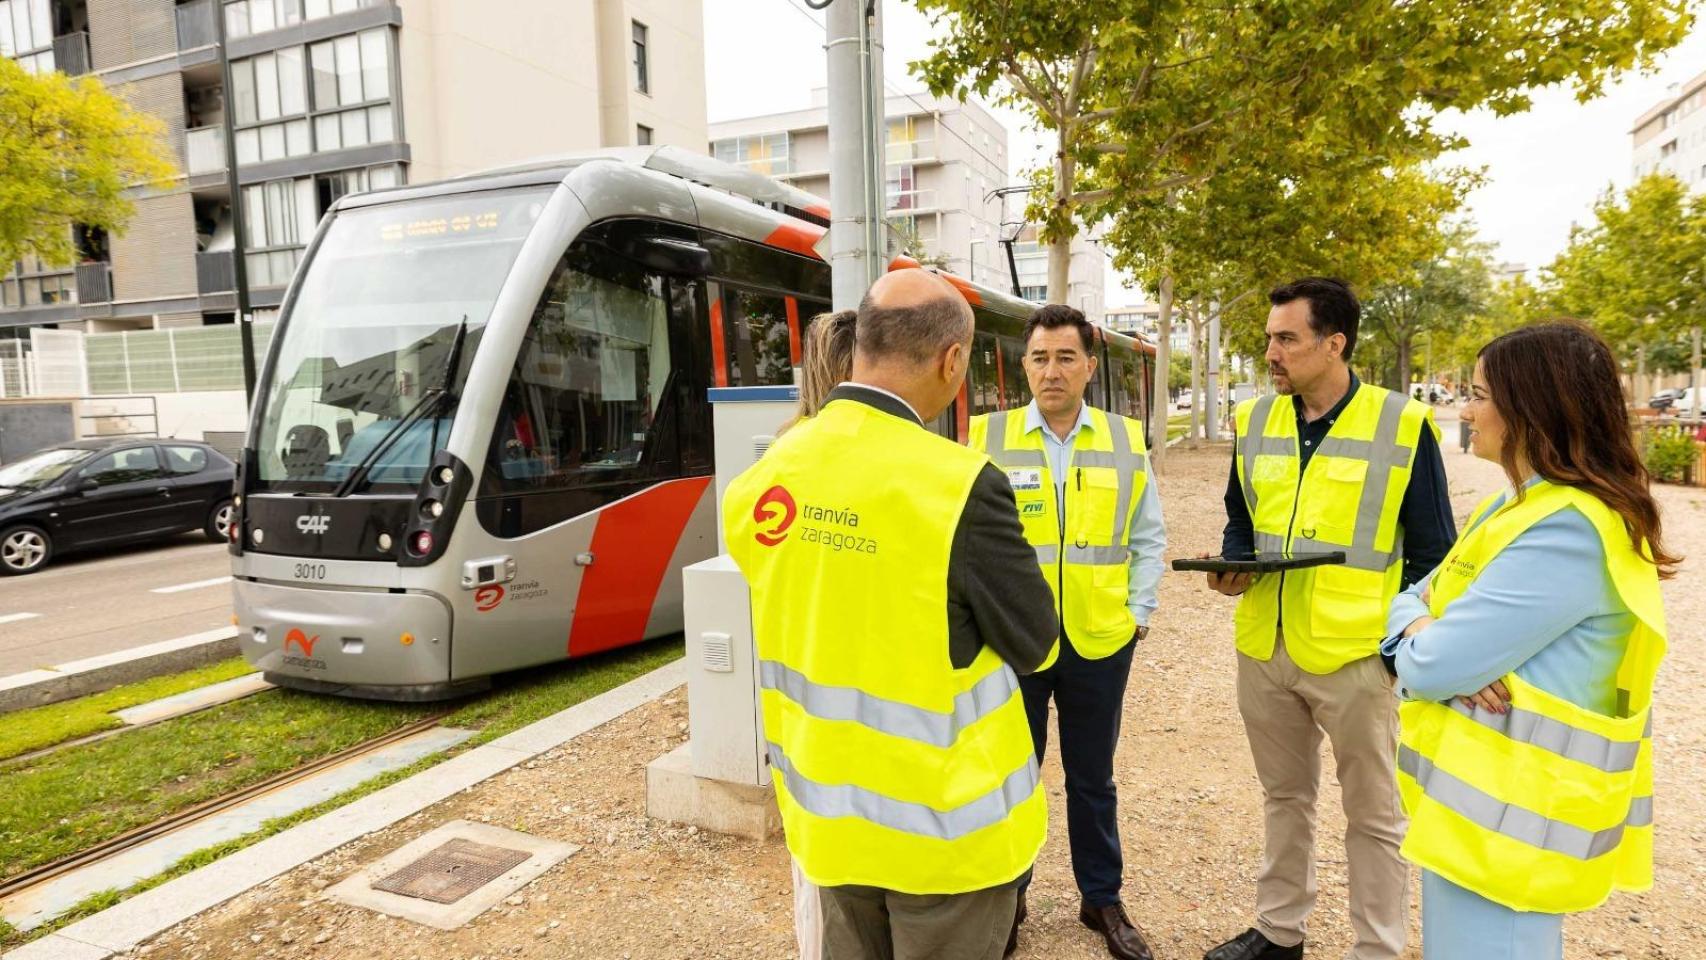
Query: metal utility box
(722,675)
(745,421)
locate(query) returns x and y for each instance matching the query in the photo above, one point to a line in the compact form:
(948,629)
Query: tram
(482,439)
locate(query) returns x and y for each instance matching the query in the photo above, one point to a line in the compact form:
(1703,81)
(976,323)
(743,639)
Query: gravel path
(1190,810)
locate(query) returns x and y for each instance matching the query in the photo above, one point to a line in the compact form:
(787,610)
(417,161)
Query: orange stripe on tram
(800,238)
(719,349)
(793,308)
(631,548)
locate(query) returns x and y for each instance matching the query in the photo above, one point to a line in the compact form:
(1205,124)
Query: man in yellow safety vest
(894,601)
(1081,479)
(1329,463)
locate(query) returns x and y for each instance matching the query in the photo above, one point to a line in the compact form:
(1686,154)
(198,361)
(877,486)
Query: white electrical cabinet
(722,677)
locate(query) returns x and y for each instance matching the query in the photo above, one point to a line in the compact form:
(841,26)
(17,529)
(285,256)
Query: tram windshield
(362,388)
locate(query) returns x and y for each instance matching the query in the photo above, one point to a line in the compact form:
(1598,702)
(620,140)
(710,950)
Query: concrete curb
(121,928)
(79,678)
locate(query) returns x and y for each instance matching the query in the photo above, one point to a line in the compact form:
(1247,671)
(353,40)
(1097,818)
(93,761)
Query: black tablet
(1265,564)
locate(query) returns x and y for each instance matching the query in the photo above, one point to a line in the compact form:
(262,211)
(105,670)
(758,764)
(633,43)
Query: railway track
(106,849)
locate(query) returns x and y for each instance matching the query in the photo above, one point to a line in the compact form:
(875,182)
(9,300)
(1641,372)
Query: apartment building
(1086,277)
(1671,136)
(330,97)
(945,159)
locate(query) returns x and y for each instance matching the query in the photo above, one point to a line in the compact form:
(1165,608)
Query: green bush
(1670,454)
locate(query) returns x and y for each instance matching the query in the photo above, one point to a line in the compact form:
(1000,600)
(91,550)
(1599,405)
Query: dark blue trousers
(1089,699)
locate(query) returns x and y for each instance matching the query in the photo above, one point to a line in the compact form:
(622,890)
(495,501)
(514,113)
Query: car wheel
(24,550)
(219,521)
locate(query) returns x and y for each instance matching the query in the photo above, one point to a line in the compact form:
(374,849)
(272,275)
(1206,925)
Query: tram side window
(583,405)
(1016,390)
(982,386)
(756,339)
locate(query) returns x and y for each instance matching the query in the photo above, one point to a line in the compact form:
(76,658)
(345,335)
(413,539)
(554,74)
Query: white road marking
(15,617)
(197,585)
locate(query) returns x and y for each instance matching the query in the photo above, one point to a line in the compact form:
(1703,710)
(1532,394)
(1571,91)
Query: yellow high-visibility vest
(892,768)
(1548,807)
(1347,499)
(1087,558)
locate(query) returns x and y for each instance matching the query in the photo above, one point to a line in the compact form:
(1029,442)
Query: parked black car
(107,491)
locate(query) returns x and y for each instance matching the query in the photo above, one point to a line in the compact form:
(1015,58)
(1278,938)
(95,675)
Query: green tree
(1638,272)
(1440,293)
(69,149)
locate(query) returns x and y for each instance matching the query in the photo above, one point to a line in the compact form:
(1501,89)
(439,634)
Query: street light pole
(239,257)
(857,131)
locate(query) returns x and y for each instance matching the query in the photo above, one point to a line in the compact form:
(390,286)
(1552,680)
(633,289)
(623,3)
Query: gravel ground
(1190,816)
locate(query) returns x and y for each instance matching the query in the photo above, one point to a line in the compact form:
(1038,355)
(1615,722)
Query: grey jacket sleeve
(997,596)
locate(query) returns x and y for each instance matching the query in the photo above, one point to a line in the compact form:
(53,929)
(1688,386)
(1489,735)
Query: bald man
(894,601)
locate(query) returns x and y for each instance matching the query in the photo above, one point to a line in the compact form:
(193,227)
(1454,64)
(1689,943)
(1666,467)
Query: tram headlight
(421,543)
(433,509)
(257,536)
(444,475)
(385,541)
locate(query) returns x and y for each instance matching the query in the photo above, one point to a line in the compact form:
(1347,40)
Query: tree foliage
(69,149)
(1638,272)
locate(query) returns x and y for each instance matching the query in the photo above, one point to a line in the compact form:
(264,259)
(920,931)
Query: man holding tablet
(1329,464)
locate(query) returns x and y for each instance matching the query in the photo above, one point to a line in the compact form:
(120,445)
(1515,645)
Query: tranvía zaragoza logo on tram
(836,529)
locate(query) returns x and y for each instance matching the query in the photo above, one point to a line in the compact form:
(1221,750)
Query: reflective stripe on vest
(847,800)
(890,716)
(1079,530)
(1509,820)
(1556,736)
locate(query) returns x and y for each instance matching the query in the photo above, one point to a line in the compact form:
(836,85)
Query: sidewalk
(1190,812)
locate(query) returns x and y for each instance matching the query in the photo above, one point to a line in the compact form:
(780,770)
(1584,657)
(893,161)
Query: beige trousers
(1286,711)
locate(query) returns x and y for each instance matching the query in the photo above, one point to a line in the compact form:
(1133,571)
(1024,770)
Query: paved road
(94,603)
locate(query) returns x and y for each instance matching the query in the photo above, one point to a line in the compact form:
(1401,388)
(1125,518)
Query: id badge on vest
(1027,483)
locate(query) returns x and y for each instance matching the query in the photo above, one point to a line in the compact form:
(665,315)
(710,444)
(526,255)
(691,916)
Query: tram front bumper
(330,636)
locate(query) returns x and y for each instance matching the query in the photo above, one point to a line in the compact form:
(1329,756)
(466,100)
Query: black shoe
(1251,945)
(1018,918)
(1125,941)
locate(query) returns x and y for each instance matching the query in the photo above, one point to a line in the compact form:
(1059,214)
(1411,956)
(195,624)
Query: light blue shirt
(1544,608)
(1148,533)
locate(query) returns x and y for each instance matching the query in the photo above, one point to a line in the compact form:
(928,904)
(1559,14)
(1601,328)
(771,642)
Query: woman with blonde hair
(826,362)
(1527,660)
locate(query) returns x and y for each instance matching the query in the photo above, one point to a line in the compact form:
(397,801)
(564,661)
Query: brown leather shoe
(1019,916)
(1125,940)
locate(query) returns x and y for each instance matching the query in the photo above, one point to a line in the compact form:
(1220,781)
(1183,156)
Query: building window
(351,69)
(767,154)
(26,32)
(277,218)
(329,187)
(244,17)
(642,66)
(642,135)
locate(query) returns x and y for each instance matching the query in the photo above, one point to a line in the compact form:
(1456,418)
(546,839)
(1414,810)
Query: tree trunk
(1161,394)
(1194,312)
(1060,249)
(1401,363)
(1638,386)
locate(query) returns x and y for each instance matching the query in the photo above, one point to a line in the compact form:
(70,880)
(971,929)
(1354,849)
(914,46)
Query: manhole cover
(452,871)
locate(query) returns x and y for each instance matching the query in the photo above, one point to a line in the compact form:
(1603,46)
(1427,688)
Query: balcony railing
(195,25)
(906,151)
(912,200)
(215,272)
(204,150)
(94,282)
(71,53)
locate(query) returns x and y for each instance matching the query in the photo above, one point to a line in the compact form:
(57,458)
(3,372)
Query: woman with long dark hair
(1527,661)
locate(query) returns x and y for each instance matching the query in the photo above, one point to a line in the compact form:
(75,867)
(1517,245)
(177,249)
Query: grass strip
(38,727)
(517,700)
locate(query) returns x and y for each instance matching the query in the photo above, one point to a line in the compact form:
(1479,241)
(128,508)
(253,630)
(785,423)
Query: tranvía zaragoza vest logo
(775,507)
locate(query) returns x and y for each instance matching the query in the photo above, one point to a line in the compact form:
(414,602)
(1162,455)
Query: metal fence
(179,360)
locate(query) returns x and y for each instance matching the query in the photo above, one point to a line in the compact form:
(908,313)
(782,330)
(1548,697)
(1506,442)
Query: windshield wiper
(429,402)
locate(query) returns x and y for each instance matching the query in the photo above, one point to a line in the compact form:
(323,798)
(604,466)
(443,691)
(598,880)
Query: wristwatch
(1141,633)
